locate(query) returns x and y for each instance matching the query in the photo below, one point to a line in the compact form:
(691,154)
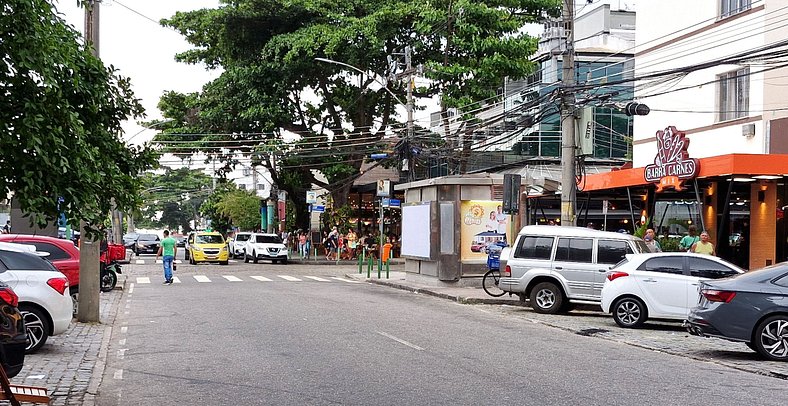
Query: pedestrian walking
(7,227)
(302,250)
(651,241)
(167,250)
(704,246)
(691,238)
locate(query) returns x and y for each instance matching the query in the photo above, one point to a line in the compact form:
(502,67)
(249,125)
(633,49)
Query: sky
(141,49)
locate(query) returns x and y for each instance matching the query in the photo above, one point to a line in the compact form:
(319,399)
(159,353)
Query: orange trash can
(386,251)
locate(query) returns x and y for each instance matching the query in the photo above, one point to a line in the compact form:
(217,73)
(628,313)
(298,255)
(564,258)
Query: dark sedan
(13,336)
(751,308)
(146,244)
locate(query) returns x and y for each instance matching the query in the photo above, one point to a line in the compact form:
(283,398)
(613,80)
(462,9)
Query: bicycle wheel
(490,283)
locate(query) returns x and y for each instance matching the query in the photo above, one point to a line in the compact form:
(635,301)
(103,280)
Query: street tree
(60,121)
(242,208)
(173,198)
(272,87)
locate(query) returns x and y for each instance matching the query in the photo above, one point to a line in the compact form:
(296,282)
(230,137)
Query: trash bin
(386,251)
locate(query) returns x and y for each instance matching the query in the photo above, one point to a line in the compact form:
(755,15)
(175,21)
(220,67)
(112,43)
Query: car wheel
(192,261)
(283,261)
(771,338)
(37,326)
(186,255)
(546,297)
(224,262)
(74,292)
(629,312)
(274,261)
(246,258)
(254,257)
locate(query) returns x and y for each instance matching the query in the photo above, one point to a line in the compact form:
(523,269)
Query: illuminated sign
(672,164)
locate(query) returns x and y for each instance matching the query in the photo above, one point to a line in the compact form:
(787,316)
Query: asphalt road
(315,342)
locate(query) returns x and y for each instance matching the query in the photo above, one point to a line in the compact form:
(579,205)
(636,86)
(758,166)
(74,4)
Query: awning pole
(631,211)
(588,206)
(700,204)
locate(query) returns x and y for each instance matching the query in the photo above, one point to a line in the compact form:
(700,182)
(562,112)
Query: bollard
(369,267)
(387,269)
(360,262)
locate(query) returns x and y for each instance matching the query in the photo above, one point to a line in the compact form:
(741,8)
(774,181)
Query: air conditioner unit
(748,130)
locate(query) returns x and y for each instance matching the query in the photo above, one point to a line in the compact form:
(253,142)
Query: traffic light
(636,109)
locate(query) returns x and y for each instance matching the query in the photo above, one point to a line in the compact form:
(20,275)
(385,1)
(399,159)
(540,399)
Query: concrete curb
(442,295)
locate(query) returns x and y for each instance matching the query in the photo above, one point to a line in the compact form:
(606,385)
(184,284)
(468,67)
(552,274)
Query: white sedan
(43,299)
(659,286)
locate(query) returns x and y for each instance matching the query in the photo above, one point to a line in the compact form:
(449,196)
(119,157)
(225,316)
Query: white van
(554,266)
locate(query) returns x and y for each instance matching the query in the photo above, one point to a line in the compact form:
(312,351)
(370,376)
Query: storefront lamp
(767,177)
(743,180)
(761,196)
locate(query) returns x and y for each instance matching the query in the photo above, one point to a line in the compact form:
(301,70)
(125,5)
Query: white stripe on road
(201,278)
(175,279)
(142,279)
(289,278)
(232,278)
(345,280)
(401,341)
(119,374)
(315,278)
(122,353)
(178,261)
(131,289)
(261,278)
(124,330)
(158,261)
(139,262)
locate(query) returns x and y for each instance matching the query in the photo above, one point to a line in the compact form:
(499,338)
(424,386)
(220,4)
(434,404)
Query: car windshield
(268,239)
(148,237)
(242,237)
(209,239)
(641,246)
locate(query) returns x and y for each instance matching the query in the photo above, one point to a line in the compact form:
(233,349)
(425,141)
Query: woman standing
(704,246)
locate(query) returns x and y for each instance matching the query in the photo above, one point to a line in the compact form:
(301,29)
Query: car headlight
(196,248)
(140,245)
(224,248)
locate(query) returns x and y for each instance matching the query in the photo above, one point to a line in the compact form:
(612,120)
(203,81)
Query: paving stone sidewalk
(71,365)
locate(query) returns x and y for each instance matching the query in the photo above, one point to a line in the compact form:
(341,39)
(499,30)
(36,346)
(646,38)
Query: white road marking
(261,278)
(119,374)
(131,289)
(178,261)
(344,280)
(122,353)
(201,278)
(175,279)
(289,278)
(315,278)
(36,377)
(122,341)
(143,279)
(140,262)
(232,278)
(158,261)
(401,341)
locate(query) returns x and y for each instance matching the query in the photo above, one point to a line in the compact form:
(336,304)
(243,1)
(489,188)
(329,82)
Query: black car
(13,336)
(180,241)
(130,239)
(751,308)
(146,244)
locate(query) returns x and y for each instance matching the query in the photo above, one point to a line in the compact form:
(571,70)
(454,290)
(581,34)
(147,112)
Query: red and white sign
(672,165)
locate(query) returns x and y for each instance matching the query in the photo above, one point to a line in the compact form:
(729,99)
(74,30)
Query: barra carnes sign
(672,165)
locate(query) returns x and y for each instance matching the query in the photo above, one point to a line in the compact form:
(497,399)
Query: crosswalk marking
(344,280)
(201,278)
(315,278)
(142,279)
(176,279)
(289,278)
(139,262)
(231,278)
(261,278)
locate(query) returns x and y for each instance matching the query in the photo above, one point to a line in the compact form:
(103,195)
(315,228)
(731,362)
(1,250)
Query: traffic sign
(395,203)
(311,197)
(318,209)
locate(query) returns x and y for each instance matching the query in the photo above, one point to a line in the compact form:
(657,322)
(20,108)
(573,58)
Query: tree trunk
(340,195)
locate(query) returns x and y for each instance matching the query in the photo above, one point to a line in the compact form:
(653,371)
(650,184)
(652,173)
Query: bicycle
(490,283)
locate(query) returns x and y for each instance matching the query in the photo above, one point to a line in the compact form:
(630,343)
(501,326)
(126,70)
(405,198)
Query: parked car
(238,243)
(265,246)
(659,286)
(62,253)
(130,239)
(45,306)
(204,246)
(750,308)
(13,336)
(557,266)
(180,240)
(146,244)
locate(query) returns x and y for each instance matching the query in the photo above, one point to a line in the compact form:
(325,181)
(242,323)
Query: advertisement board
(482,222)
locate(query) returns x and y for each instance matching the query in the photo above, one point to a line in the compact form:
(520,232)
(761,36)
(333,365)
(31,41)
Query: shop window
(575,250)
(671,265)
(783,281)
(612,251)
(734,94)
(535,248)
(732,7)
(704,268)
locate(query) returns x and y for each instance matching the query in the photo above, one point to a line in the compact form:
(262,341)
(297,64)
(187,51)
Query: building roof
(372,172)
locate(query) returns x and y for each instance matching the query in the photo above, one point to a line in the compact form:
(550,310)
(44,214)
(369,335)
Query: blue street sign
(395,203)
(318,209)
(384,201)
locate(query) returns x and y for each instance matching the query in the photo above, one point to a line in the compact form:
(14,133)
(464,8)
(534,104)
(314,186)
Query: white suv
(238,243)
(265,246)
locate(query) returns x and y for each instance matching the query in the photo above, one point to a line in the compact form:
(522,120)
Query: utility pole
(409,71)
(89,245)
(568,182)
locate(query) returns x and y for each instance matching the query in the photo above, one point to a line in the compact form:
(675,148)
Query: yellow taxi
(207,246)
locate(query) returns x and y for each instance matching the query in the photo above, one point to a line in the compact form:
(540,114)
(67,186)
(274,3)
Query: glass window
(734,94)
(148,237)
(268,239)
(242,237)
(783,281)
(24,261)
(612,251)
(534,247)
(733,7)
(210,239)
(704,268)
(575,250)
(673,265)
(55,253)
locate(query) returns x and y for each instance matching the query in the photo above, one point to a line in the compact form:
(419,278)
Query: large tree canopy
(272,84)
(173,199)
(60,116)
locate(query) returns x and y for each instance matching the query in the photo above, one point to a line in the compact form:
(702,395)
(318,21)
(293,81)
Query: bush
(669,244)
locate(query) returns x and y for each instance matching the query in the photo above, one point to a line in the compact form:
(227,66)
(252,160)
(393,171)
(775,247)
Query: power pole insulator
(636,109)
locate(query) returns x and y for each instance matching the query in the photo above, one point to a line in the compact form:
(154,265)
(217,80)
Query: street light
(385,87)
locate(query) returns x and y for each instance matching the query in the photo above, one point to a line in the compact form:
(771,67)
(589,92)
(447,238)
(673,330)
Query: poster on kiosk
(482,223)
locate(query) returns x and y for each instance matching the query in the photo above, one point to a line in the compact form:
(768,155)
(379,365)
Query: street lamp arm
(363,73)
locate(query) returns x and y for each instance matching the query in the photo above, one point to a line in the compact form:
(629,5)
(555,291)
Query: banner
(482,222)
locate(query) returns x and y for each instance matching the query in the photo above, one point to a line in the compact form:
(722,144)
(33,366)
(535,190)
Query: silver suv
(237,244)
(556,266)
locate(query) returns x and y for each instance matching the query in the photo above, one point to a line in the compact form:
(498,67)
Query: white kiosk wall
(416,230)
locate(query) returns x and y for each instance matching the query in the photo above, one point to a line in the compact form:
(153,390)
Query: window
(148,237)
(242,186)
(23,261)
(575,250)
(732,7)
(210,239)
(261,186)
(704,268)
(247,171)
(612,251)
(782,281)
(734,94)
(535,248)
(242,237)
(673,265)
(55,253)
(268,239)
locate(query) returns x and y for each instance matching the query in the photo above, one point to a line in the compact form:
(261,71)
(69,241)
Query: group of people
(690,242)
(336,245)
